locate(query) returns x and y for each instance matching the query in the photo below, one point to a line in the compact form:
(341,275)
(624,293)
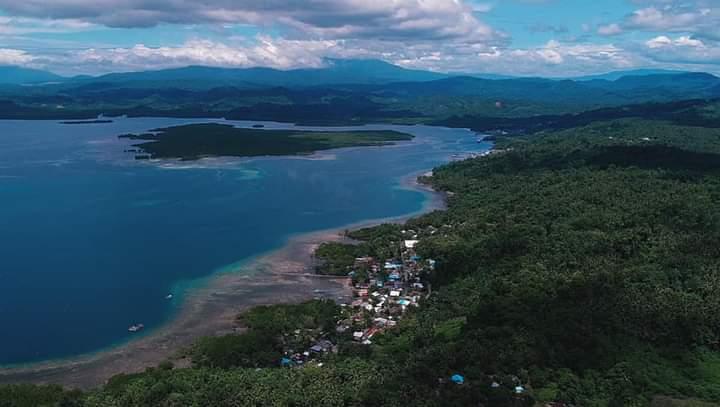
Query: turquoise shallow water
(91,241)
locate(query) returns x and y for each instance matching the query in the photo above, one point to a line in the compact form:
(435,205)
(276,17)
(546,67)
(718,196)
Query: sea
(93,241)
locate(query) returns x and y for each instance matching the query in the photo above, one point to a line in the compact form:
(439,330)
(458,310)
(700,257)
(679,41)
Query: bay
(92,241)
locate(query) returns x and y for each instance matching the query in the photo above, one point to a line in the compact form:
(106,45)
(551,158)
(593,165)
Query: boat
(169,297)
(136,328)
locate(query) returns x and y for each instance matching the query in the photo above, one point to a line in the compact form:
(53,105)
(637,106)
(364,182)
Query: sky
(552,38)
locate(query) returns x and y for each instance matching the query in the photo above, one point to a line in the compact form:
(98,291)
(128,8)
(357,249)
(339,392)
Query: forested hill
(696,112)
(587,260)
(583,264)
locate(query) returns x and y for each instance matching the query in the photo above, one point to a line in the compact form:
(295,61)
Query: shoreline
(284,275)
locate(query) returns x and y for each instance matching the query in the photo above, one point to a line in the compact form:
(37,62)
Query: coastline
(282,276)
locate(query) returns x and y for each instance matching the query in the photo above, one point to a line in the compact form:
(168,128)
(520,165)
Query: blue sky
(520,37)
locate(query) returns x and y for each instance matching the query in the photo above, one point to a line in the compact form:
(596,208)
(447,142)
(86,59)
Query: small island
(195,141)
(98,121)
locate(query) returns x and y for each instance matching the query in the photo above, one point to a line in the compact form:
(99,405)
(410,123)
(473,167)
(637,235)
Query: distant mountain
(490,76)
(626,90)
(233,88)
(15,75)
(663,86)
(335,72)
(680,80)
(493,76)
(613,76)
(371,71)
(529,89)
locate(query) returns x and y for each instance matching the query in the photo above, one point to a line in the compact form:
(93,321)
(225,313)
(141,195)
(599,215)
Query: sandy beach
(283,276)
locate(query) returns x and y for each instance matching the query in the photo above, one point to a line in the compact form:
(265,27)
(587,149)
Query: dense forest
(583,263)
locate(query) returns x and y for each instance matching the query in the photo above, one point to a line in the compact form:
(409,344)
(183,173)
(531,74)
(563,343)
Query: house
(371,332)
(410,244)
(322,346)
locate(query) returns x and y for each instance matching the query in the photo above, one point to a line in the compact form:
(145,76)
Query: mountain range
(343,91)
(335,72)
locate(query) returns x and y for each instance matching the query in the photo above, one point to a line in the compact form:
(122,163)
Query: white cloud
(265,51)
(610,29)
(14,57)
(553,59)
(683,49)
(659,42)
(665,42)
(698,17)
(668,18)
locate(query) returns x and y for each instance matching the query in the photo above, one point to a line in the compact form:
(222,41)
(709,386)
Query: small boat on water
(136,328)
(169,297)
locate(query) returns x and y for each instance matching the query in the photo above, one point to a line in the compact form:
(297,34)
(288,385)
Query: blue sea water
(91,241)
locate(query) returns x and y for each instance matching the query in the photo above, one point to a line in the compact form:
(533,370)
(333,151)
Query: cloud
(335,19)
(551,59)
(683,49)
(14,57)
(265,51)
(441,35)
(610,29)
(24,25)
(548,28)
(698,17)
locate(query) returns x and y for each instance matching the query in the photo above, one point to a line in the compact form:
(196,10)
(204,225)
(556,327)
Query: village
(383,291)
